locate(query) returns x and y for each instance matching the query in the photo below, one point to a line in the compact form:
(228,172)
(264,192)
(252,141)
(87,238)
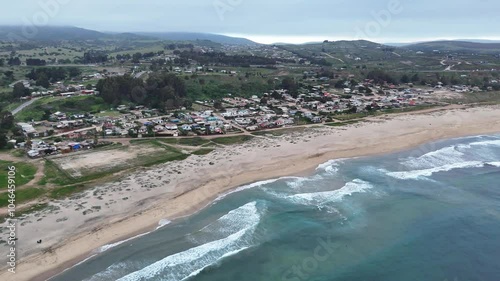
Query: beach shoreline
(287,157)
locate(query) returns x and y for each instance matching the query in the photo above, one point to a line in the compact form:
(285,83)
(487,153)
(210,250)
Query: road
(138,75)
(23,106)
(327,54)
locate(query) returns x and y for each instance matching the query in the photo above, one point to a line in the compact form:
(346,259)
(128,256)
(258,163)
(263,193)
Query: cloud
(301,18)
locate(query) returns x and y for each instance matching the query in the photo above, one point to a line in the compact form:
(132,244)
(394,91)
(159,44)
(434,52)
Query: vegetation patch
(22,195)
(232,140)
(25,172)
(203,151)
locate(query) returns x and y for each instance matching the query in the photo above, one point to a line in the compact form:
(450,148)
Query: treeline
(220,58)
(6,125)
(162,91)
(138,56)
(35,62)
(94,57)
(14,61)
(179,46)
(45,76)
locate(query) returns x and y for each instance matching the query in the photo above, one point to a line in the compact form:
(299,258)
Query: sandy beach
(76,228)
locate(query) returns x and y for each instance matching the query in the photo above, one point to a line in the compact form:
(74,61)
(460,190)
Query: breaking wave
(245,187)
(322,199)
(330,167)
(415,174)
(449,158)
(183,265)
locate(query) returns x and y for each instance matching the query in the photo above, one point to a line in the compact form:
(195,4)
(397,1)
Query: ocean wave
(322,199)
(163,223)
(232,221)
(486,143)
(245,187)
(110,246)
(415,174)
(182,265)
(440,157)
(450,155)
(330,167)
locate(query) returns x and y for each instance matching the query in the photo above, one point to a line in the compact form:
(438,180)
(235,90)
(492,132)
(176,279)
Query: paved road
(23,106)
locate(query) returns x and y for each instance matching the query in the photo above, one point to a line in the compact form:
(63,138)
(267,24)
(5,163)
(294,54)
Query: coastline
(384,134)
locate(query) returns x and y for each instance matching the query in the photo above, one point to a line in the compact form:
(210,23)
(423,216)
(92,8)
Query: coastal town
(65,132)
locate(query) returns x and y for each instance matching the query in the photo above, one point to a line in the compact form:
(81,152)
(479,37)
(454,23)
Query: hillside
(69,33)
(455,46)
(191,36)
(49,33)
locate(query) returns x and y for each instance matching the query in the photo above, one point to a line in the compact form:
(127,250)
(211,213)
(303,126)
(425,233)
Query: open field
(25,172)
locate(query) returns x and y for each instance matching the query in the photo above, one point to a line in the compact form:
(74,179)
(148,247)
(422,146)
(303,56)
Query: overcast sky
(270,21)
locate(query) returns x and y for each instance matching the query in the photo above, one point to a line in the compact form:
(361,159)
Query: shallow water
(432,213)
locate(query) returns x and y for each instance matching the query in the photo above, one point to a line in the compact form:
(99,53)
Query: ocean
(430,213)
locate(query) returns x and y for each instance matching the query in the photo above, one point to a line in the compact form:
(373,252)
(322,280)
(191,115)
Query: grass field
(197,141)
(24,173)
(22,195)
(232,140)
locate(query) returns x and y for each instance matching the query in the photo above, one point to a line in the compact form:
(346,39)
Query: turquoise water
(432,213)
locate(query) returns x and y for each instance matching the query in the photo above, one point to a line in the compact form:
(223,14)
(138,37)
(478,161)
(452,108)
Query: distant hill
(58,33)
(48,33)
(192,36)
(455,46)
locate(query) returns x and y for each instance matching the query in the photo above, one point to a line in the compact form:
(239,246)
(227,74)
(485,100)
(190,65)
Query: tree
(415,78)
(2,62)
(289,84)
(3,139)
(9,75)
(20,91)
(88,87)
(136,57)
(74,72)
(218,105)
(43,81)
(405,79)
(6,120)
(14,61)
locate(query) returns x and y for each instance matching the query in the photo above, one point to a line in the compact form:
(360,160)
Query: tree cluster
(220,58)
(94,57)
(14,61)
(35,62)
(161,90)
(45,76)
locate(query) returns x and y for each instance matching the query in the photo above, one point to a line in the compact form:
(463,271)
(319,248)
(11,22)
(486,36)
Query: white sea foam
(415,174)
(182,265)
(111,273)
(321,199)
(448,155)
(440,157)
(163,223)
(109,246)
(232,253)
(330,167)
(245,187)
(496,164)
(486,143)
